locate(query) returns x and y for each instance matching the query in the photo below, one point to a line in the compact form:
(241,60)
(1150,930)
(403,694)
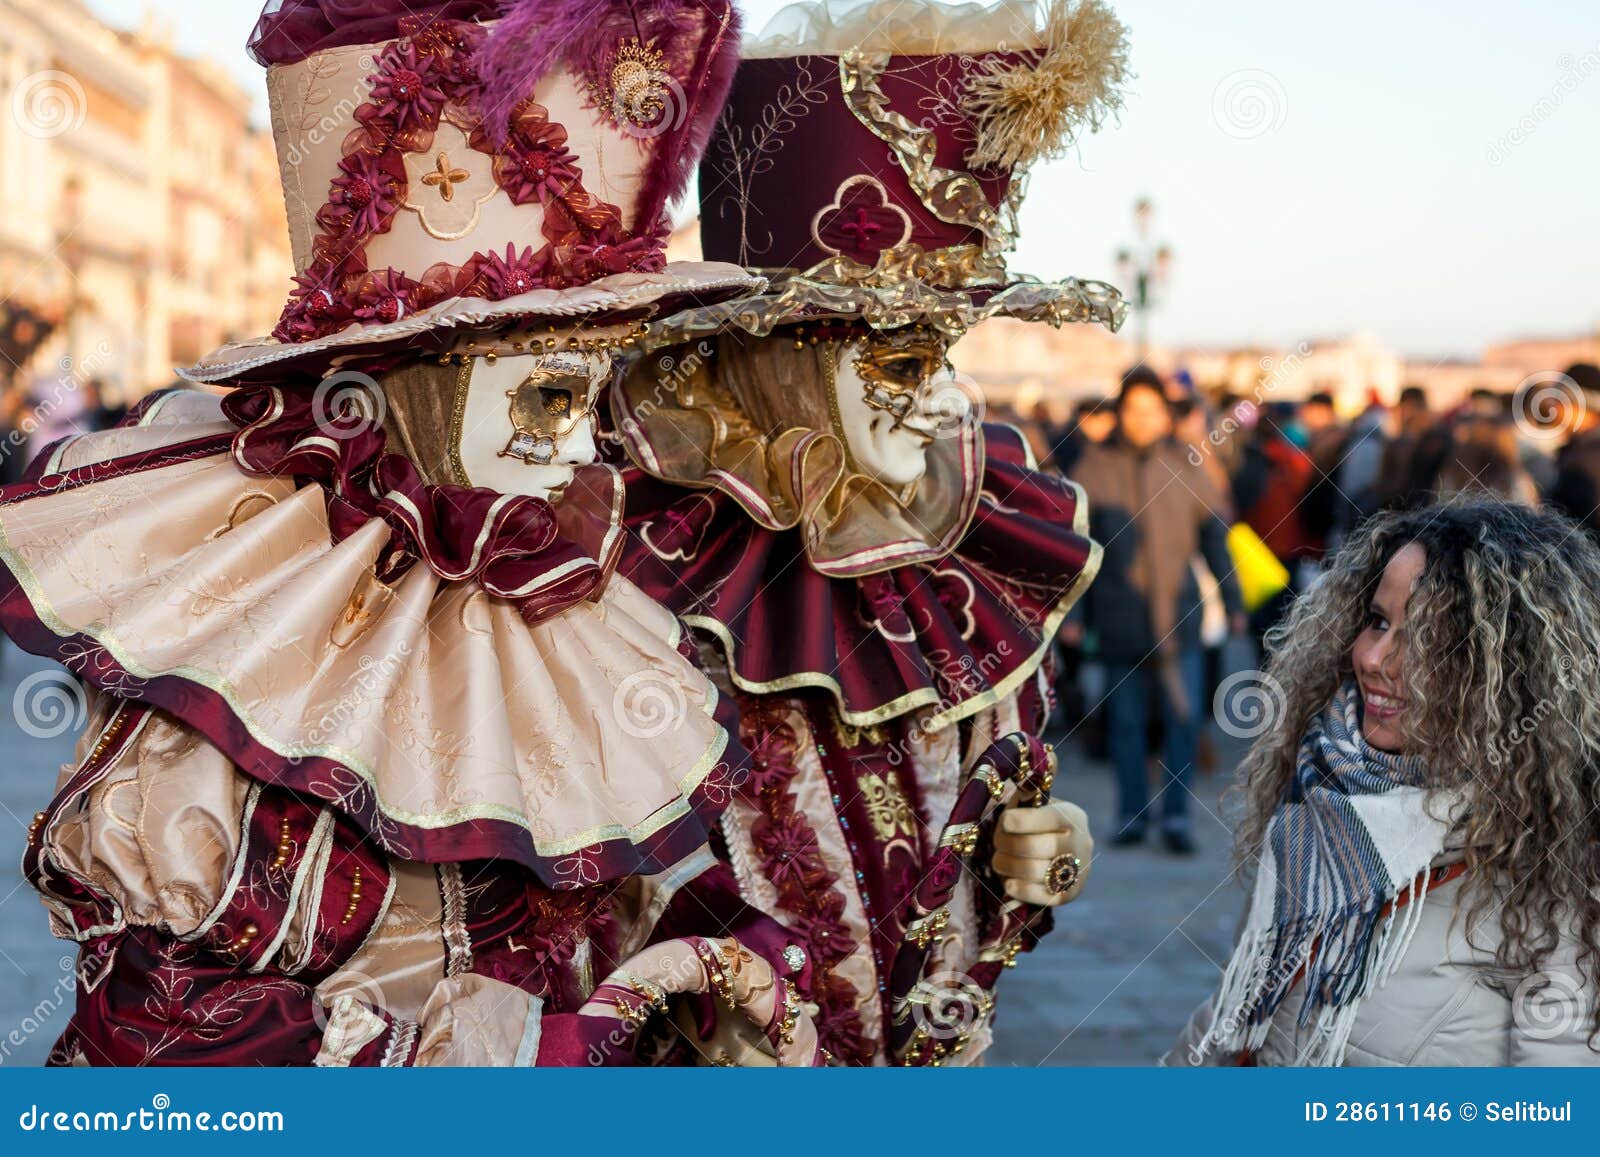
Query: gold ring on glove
(1063,874)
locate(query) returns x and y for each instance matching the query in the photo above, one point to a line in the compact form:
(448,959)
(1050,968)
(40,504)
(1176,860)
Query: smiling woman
(1437,756)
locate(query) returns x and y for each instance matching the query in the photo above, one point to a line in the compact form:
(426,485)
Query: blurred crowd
(31,418)
(1215,510)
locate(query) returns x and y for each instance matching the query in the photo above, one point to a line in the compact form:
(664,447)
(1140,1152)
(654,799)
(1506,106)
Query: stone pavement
(36,982)
(1110,986)
(1131,958)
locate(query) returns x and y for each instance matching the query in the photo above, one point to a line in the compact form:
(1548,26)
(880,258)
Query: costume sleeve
(206,906)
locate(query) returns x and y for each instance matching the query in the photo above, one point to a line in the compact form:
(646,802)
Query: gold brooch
(637,85)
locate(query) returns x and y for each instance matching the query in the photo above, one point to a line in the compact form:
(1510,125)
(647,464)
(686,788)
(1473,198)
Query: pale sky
(1427,171)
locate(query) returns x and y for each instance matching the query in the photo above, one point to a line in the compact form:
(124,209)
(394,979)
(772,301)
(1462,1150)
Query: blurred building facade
(137,200)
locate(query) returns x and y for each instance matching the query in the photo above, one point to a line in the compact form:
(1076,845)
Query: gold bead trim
(923,932)
(285,846)
(962,839)
(606,339)
(355,896)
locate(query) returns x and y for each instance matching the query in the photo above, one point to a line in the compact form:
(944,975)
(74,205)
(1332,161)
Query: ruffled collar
(950,633)
(541,556)
(449,724)
(851,524)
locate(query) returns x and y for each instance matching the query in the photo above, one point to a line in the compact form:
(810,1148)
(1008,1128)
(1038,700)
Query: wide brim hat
(871,160)
(482,164)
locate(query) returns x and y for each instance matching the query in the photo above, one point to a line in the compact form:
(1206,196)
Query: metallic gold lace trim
(908,285)
(949,194)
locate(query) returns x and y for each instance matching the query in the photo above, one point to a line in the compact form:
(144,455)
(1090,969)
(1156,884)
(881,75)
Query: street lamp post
(1144,265)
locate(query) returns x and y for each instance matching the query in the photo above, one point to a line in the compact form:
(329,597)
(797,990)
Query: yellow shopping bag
(1261,575)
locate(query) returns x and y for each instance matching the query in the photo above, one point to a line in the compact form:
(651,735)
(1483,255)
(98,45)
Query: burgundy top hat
(871,160)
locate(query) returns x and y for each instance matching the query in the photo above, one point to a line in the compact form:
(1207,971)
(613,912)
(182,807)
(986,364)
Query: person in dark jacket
(1092,423)
(1152,510)
(1577,487)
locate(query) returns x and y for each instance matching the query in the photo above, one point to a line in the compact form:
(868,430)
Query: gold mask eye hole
(537,405)
(555,401)
(906,369)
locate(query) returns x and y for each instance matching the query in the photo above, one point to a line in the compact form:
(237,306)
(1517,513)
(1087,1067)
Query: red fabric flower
(384,297)
(771,742)
(561,918)
(536,164)
(316,305)
(612,250)
(365,193)
(407,91)
(498,277)
(789,851)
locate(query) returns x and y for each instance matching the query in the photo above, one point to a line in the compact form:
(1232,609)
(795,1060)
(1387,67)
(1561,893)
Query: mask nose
(578,448)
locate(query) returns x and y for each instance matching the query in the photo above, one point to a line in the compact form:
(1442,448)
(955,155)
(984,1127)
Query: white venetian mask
(882,403)
(528,422)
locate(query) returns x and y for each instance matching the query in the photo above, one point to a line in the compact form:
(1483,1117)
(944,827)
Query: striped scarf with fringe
(1352,834)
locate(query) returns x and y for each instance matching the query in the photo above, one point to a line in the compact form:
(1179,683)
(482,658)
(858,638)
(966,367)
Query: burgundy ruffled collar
(541,556)
(953,635)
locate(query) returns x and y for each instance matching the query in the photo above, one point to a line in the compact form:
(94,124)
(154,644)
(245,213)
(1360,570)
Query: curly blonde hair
(1501,671)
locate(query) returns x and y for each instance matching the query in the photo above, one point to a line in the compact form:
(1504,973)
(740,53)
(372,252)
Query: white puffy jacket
(1446,1004)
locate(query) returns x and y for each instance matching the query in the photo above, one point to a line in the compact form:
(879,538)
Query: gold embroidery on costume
(949,194)
(636,91)
(860,225)
(368,600)
(887,807)
(444,177)
(245,507)
(432,178)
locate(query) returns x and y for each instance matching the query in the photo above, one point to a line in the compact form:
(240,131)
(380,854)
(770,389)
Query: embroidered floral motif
(861,221)
(887,807)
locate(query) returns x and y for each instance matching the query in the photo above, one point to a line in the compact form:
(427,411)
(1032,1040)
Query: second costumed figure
(873,572)
(367,778)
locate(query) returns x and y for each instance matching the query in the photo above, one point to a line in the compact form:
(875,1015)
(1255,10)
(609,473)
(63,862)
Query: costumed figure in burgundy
(873,572)
(384,763)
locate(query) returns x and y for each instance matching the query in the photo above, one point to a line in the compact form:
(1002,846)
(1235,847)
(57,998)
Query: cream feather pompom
(1073,81)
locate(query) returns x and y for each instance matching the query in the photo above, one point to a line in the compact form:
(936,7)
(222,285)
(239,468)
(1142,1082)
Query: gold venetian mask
(894,366)
(548,405)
